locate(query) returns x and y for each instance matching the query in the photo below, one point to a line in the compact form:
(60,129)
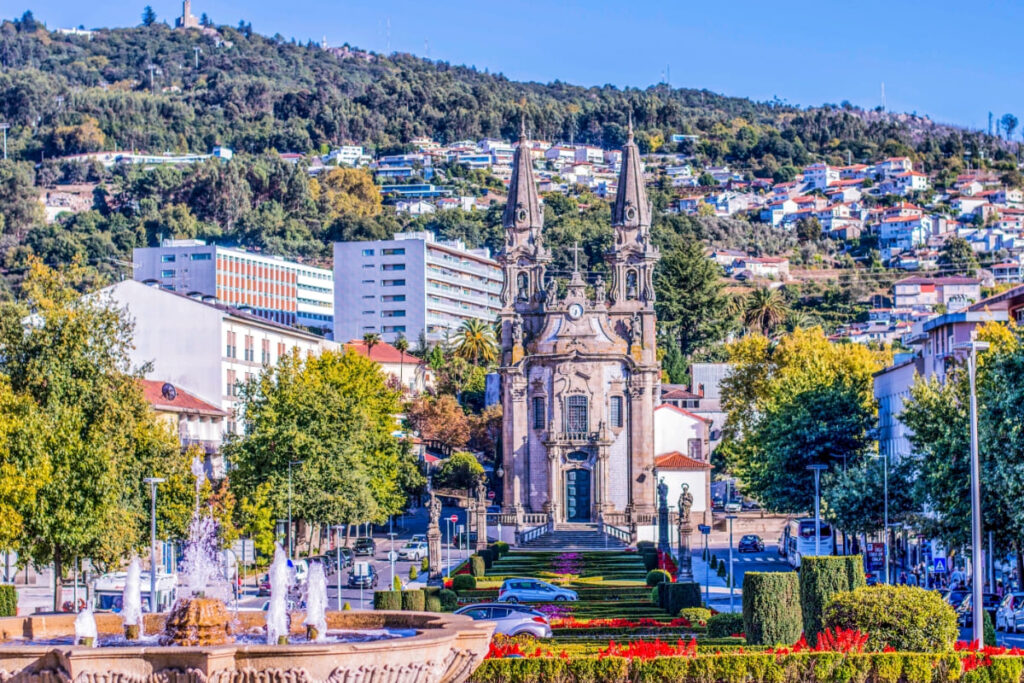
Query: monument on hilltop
(186,20)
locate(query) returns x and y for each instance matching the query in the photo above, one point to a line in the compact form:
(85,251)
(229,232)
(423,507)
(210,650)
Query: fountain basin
(445,649)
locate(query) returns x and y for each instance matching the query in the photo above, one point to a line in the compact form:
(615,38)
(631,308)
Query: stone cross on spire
(575,249)
(523,210)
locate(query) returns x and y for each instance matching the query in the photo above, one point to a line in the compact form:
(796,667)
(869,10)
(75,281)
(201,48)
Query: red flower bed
(646,649)
(571,622)
(499,649)
(666,562)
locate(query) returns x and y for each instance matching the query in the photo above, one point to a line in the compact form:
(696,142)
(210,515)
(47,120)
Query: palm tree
(475,341)
(801,320)
(402,344)
(764,310)
(371,339)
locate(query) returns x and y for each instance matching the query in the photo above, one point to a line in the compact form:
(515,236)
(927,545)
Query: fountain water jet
(277,611)
(85,628)
(131,601)
(316,603)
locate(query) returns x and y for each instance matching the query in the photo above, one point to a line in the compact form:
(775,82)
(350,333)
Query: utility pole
(817,468)
(196,50)
(4,127)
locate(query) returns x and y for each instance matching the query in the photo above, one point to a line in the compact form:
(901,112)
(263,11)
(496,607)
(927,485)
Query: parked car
(965,612)
(749,504)
(346,556)
(533,590)
(363,575)
(364,546)
(733,506)
(263,587)
(511,621)
(290,605)
(751,543)
(955,596)
(1010,612)
(413,551)
(418,538)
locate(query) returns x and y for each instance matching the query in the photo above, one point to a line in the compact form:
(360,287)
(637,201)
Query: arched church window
(576,414)
(631,284)
(615,412)
(539,414)
(522,287)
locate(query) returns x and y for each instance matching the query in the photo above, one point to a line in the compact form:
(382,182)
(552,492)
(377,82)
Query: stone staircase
(574,537)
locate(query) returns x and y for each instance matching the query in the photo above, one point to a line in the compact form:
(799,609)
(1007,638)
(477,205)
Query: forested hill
(140,87)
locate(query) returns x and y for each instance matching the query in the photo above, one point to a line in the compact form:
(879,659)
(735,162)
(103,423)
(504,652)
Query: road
(766,561)
(414,523)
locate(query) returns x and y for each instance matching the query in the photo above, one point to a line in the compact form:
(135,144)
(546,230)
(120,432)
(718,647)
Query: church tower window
(576,414)
(615,411)
(539,416)
(631,284)
(523,287)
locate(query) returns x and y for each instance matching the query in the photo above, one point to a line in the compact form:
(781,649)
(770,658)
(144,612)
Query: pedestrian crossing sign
(940,565)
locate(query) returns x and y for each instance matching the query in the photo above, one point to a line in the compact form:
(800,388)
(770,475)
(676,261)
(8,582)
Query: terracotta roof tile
(182,402)
(677,461)
(382,352)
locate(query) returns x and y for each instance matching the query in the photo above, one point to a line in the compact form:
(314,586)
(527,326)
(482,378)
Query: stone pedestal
(685,571)
(663,526)
(436,576)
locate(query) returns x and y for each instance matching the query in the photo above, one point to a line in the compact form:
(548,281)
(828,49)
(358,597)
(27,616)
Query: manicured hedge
(389,600)
(413,601)
(463,582)
(697,615)
(8,600)
(656,576)
(488,555)
(827,667)
(673,597)
(432,603)
(477,565)
(500,548)
(725,624)
(906,618)
(771,608)
(820,579)
(449,600)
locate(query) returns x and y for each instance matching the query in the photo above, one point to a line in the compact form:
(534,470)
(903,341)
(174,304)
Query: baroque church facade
(579,370)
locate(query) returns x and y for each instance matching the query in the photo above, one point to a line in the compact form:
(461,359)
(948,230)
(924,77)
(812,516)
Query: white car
(1010,613)
(733,507)
(413,551)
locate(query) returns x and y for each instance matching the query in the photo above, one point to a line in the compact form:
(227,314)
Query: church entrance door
(577,495)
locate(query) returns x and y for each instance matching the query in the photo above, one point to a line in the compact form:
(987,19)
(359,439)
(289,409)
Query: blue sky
(954,61)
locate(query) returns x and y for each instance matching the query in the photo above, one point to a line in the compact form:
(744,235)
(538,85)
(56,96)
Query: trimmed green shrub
(488,557)
(396,584)
(721,569)
(413,573)
(725,624)
(698,616)
(906,618)
(771,608)
(656,576)
(8,600)
(988,630)
(650,558)
(388,600)
(432,603)
(477,565)
(414,601)
(500,548)
(425,564)
(463,582)
(820,579)
(713,562)
(654,596)
(673,597)
(449,600)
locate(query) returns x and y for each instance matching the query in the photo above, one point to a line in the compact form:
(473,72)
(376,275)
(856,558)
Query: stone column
(554,483)
(663,525)
(685,571)
(436,576)
(481,520)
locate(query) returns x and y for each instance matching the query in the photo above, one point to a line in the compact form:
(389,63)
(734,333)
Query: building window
(615,416)
(367,252)
(281,349)
(167,258)
(394,328)
(166,273)
(200,257)
(266,352)
(369,282)
(232,347)
(539,416)
(393,314)
(631,284)
(367,265)
(250,352)
(393,266)
(392,297)
(393,252)
(232,384)
(576,418)
(394,283)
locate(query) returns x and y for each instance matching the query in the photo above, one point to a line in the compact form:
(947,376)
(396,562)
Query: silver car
(413,551)
(1010,614)
(510,620)
(533,590)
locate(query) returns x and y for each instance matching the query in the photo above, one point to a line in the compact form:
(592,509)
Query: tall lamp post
(884,457)
(732,581)
(817,469)
(290,544)
(972,347)
(152,481)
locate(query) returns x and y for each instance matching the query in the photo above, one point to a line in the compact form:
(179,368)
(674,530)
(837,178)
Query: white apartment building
(347,155)
(412,284)
(819,176)
(205,347)
(282,291)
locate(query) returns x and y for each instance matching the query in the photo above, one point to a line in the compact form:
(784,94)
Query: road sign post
(705,530)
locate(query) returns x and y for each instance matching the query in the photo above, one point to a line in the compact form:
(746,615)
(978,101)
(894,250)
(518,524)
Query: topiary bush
(673,597)
(425,564)
(989,629)
(414,601)
(487,556)
(463,582)
(820,579)
(771,608)
(8,600)
(396,583)
(713,562)
(500,548)
(389,600)
(725,624)
(413,573)
(656,576)
(906,618)
(721,569)
(477,566)
(432,603)
(697,616)
(449,600)
(654,596)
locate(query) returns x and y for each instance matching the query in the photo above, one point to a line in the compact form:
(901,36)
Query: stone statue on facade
(600,293)
(685,503)
(434,541)
(435,510)
(635,330)
(517,330)
(551,293)
(685,572)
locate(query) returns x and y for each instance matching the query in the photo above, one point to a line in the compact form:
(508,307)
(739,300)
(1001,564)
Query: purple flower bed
(555,611)
(567,563)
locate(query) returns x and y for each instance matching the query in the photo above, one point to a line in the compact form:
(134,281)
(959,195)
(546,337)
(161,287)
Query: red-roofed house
(414,374)
(193,420)
(682,456)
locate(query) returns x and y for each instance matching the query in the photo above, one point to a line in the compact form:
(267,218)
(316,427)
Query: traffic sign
(940,565)
(704,528)
(392,556)
(490,495)
(453,519)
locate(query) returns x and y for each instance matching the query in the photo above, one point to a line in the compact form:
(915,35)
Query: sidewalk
(717,590)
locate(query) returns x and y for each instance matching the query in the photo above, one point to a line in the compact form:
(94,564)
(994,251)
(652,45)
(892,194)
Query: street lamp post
(732,582)
(976,605)
(152,481)
(290,544)
(817,468)
(884,457)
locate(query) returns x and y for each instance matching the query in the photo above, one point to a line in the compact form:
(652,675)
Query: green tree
(20,208)
(808,229)
(1009,123)
(371,339)
(148,16)
(24,462)
(475,341)
(70,359)
(402,346)
(764,309)
(692,308)
(957,256)
(460,471)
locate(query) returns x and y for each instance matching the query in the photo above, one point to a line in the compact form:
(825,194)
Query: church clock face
(576,311)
